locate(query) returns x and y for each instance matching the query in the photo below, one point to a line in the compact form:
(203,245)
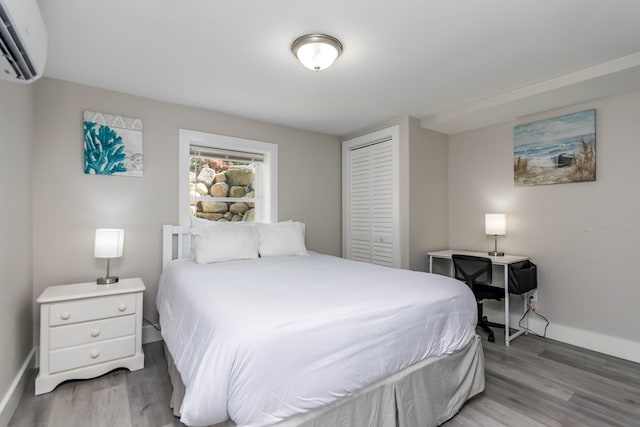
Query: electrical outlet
(533,301)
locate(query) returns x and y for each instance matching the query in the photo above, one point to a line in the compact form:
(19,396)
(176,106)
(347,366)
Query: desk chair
(476,273)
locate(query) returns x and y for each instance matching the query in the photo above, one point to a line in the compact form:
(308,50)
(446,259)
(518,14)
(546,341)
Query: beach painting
(112,145)
(556,150)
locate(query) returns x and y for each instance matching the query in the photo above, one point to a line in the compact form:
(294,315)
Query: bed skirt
(425,394)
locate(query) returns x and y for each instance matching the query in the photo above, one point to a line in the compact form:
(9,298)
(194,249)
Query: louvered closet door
(371,204)
(360,220)
(382,206)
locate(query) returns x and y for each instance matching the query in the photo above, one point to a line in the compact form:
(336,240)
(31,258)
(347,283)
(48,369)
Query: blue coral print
(103,150)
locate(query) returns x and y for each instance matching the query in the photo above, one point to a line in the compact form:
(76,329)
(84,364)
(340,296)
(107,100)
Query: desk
(503,261)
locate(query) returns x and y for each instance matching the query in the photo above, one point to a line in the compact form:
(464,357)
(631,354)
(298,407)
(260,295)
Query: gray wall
(69,205)
(16,292)
(585,237)
(428,193)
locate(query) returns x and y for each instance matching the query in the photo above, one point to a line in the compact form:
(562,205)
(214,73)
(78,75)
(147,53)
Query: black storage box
(523,277)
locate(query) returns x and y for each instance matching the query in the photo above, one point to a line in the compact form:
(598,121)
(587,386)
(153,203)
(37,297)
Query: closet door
(359,245)
(370,220)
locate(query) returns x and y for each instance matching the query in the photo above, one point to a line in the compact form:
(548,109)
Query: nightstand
(87,330)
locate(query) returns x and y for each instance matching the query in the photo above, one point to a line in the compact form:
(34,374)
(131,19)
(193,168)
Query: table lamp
(495,224)
(109,244)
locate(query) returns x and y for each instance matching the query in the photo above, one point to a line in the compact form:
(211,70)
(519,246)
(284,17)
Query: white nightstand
(87,330)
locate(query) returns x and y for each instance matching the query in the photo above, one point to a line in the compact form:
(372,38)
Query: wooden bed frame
(426,394)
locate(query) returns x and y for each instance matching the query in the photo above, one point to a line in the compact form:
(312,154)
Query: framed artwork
(557,150)
(112,145)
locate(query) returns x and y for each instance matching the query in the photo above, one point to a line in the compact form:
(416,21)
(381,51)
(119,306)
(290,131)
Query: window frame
(268,181)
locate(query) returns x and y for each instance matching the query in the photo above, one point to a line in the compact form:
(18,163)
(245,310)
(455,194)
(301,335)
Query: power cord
(529,309)
(152,324)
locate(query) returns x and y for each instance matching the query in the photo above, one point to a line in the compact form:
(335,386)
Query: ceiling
(455,64)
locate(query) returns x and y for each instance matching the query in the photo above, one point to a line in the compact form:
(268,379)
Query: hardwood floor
(534,382)
(117,399)
(540,382)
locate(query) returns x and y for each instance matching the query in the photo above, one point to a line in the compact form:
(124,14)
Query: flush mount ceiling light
(316,51)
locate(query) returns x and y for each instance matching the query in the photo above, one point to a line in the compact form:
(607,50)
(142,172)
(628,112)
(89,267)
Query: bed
(314,340)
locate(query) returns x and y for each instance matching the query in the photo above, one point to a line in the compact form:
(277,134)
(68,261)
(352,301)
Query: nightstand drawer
(88,332)
(91,309)
(91,354)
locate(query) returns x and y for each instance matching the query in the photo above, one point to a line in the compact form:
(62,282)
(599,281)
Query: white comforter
(260,340)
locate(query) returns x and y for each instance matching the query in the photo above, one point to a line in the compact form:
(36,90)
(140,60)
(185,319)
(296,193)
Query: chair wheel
(491,338)
(484,319)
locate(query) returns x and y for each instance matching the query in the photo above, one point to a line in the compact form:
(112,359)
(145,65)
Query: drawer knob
(65,315)
(94,354)
(122,307)
(95,333)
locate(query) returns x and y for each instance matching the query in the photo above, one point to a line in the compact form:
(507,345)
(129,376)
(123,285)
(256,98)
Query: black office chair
(476,273)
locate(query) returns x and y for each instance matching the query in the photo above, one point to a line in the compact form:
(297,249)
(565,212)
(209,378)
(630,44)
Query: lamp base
(107,280)
(495,253)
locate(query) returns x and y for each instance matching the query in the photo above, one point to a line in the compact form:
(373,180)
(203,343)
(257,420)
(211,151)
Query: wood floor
(540,382)
(534,382)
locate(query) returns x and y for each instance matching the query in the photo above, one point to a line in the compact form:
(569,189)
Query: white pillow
(281,239)
(200,222)
(223,241)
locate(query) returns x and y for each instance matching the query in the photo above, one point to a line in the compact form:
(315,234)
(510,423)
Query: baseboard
(613,346)
(11,399)
(150,334)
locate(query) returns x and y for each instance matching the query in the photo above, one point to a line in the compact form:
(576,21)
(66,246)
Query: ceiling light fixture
(316,51)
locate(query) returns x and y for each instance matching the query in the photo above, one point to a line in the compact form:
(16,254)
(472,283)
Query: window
(222,184)
(227,179)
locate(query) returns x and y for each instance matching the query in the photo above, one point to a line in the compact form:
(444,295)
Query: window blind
(231,155)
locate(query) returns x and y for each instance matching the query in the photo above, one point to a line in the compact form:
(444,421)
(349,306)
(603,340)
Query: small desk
(503,261)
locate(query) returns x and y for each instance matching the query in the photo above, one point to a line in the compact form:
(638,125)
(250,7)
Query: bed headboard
(175,243)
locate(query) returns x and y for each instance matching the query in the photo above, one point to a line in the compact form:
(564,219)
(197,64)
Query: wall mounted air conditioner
(23,41)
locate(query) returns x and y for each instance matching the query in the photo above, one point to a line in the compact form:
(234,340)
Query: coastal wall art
(556,150)
(112,145)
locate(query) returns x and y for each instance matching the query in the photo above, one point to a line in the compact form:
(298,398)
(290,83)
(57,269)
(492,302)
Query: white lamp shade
(495,224)
(316,51)
(317,56)
(109,243)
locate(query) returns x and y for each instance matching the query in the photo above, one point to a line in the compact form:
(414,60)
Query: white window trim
(269,177)
(392,133)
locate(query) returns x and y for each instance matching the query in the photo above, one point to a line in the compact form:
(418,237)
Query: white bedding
(260,340)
